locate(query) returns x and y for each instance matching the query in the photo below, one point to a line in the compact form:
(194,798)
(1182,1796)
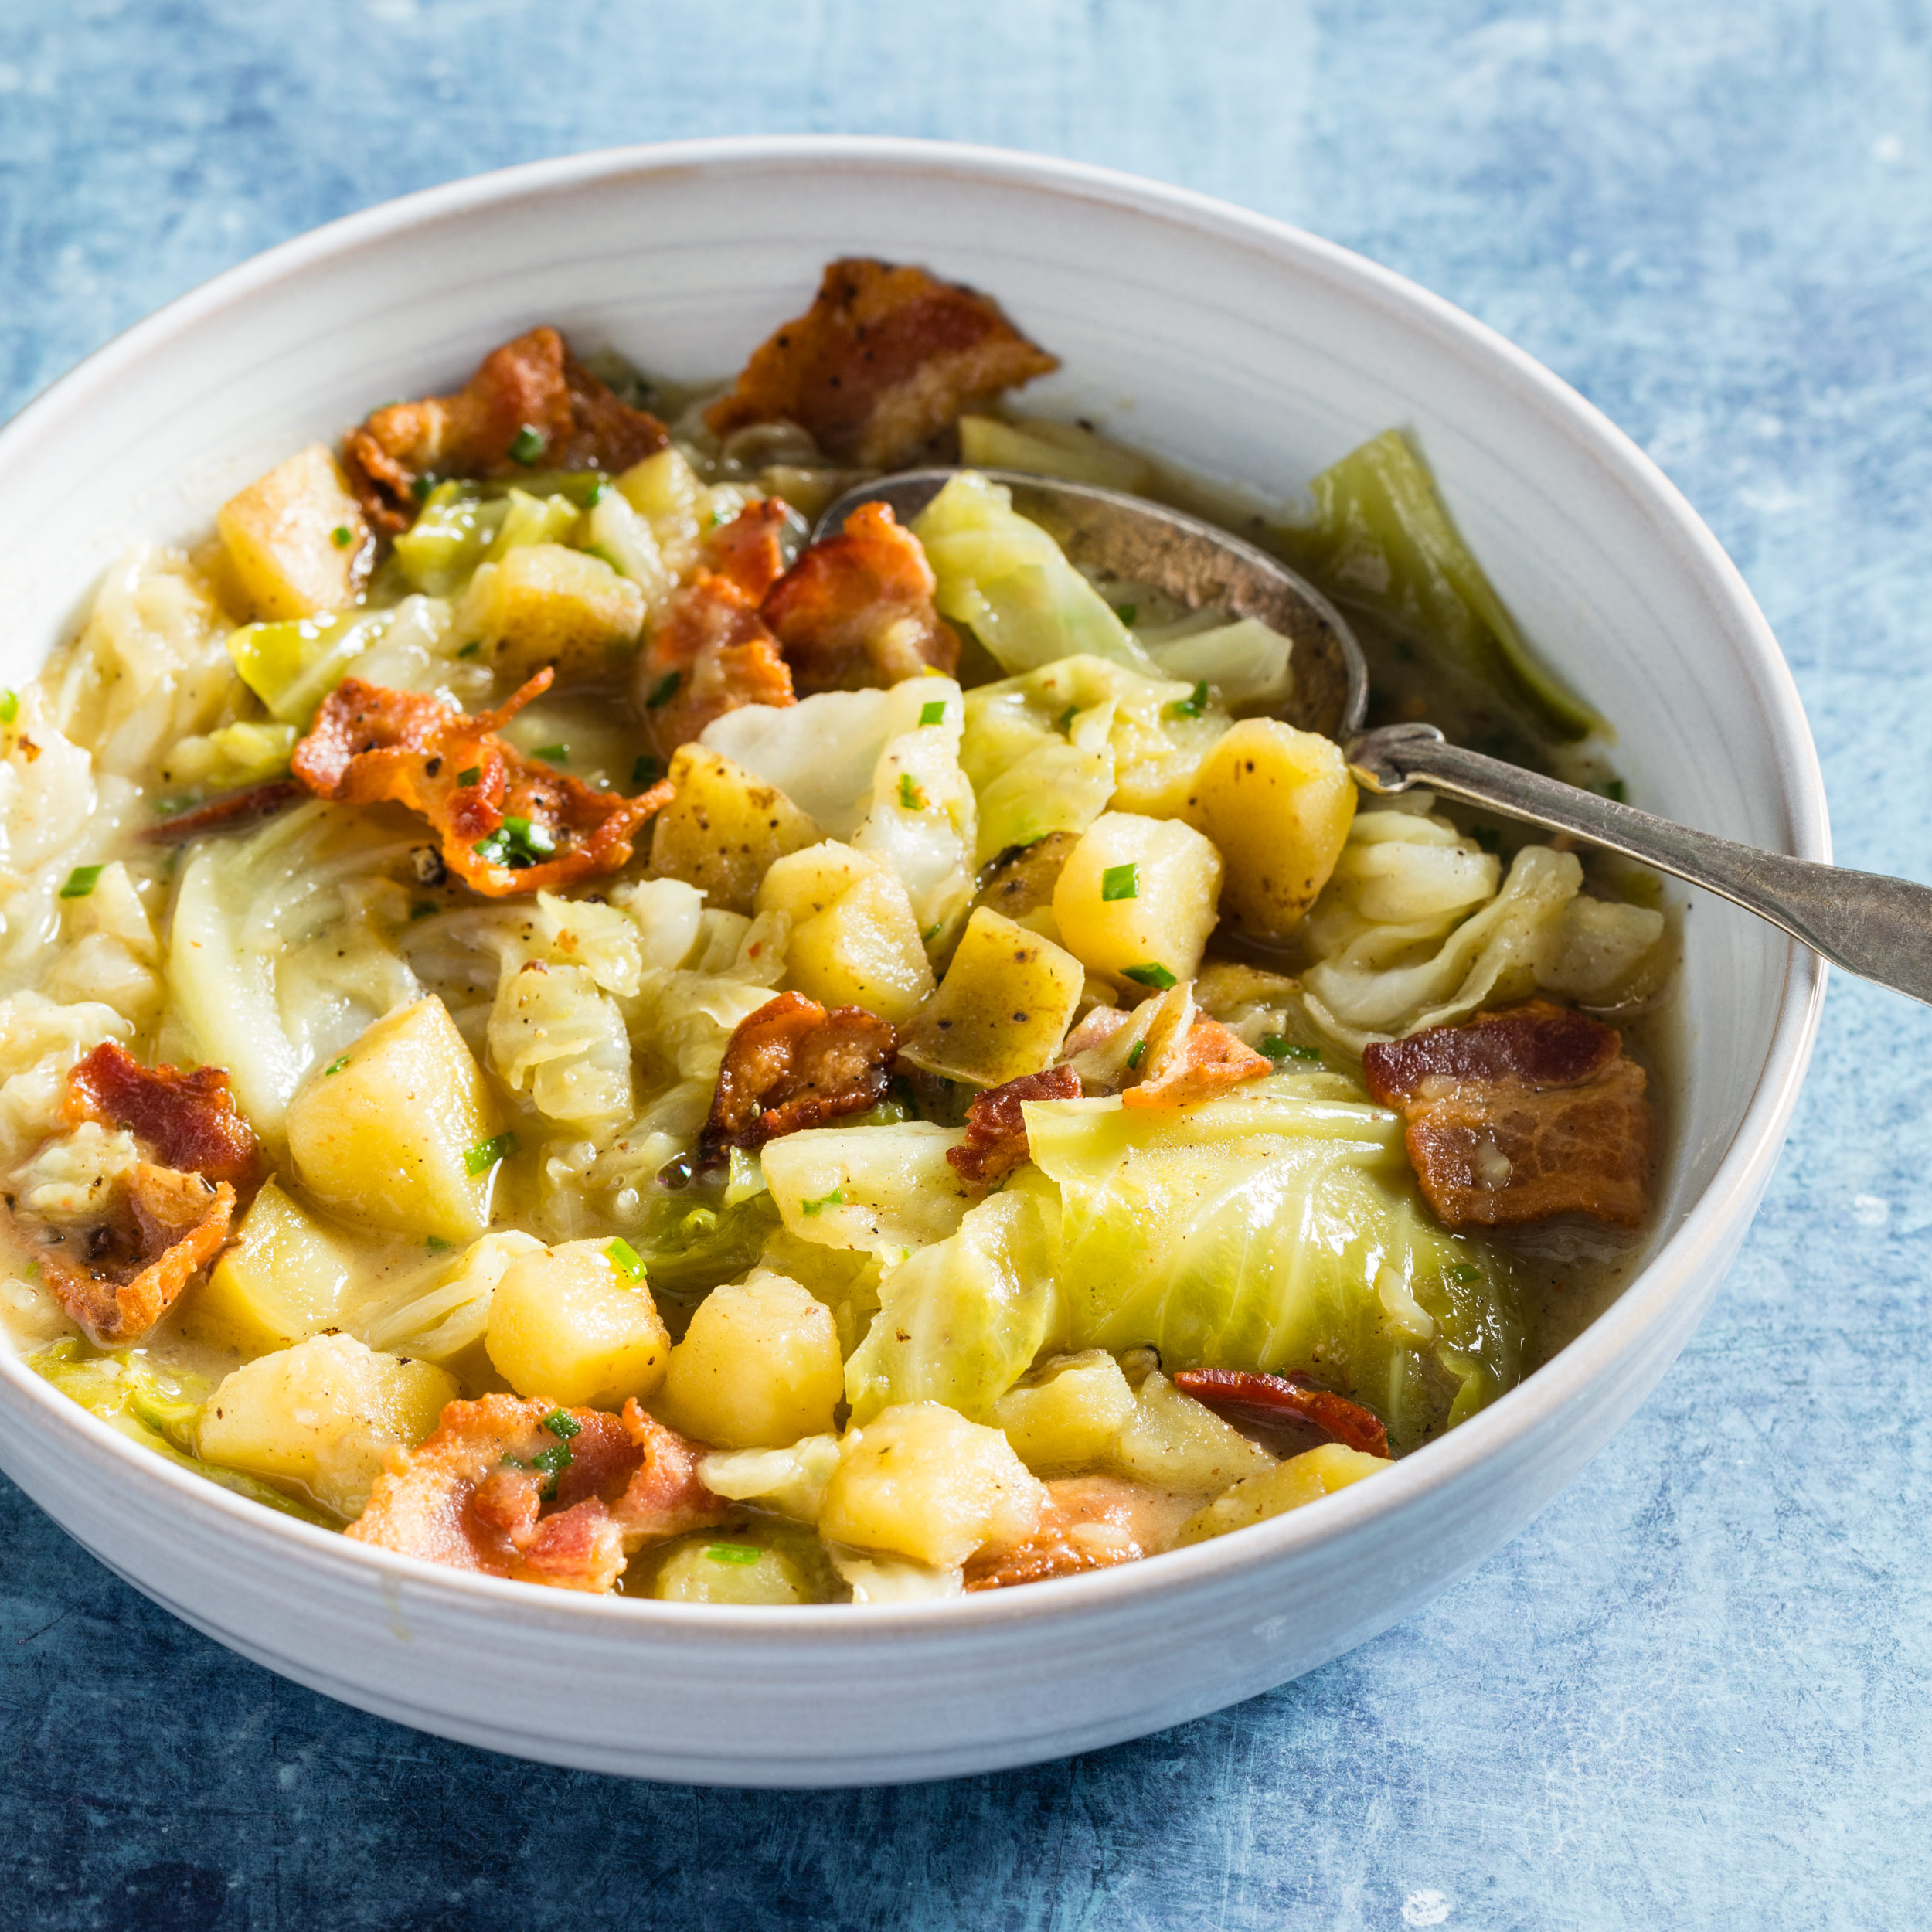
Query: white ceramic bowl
(1231,343)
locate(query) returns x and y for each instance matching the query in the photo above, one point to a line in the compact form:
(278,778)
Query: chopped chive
(933,713)
(1615,791)
(1192,705)
(1121,881)
(1279,1049)
(1151,975)
(734,1552)
(1464,1272)
(554,754)
(1127,613)
(646,771)
(553,1461)
(626,1261)
(436,1245)
(835,1199)
(471,650)
(486,1155)
(527,445)
(518,842)
(80,881)
(1066,717)
(560,1422)
(910,798)
(335,1066)
(1136,1052)
(932,932)
(664,690)
(423,909)
(470,776)
(341,537)
(421,486)
(9,706)
(599,491)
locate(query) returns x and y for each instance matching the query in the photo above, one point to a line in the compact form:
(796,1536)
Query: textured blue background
(1695,1693)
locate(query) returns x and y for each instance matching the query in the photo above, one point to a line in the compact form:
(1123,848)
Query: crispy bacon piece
(532,384)
(709,653)
(748,551)
(857,608)
(1089,1522)
(1268,1398)
(793,1064)
(494,1489)
(995,1142)
(119,1276)
(368,744)
(229,812)
(882,365)
(1197,1065)
(1518,1115)
(189,1120)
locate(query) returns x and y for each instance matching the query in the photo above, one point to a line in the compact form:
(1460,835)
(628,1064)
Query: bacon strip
(857,609)
(1197,1065)
(118,1277)
(494,1489)
(369,744)
(1268,1398)
(531,383)
(189,1120)
(748,551)
(995,1142)
(884,362)
(228,813)
(1520,1115)
(709,653)
(793,1064)
(1089,1522)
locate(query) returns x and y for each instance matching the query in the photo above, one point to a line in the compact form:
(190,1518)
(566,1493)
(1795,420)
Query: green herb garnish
(1121,881)
(80,881)
(552,754)
(335,1066)
(436,1245)
(560,1422)
(527,445)
(1151,974)
(9,706)
(517,843)
(626,1260)
(471,650)
(423,909)
(1192,705)
(341,536)
(1616,791)
(470,776)
(422,487)
(484,1155)
(1127,613)
(646,771)
(932,932)
(835,1199)
(734,1552)
(599,491)
(1278,1049)
(933,713)
(910,798)
(664,690)
(1464,1272)
(1065,721)
(1136,1052)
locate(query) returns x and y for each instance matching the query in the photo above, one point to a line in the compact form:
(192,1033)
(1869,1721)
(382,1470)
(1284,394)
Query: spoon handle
(1878,928)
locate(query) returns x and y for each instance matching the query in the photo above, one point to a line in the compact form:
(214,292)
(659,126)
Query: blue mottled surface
(1696,1692)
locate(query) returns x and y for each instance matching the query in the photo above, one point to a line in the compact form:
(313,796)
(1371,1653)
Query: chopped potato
(399,1130)
(920,1481)
(1069,1415)
(324,1414)
(854,940)
(1136,899)
(568,1324)
(296,538)
(1277,803)
(1019,885)
(1304,1478)
(758,1368)
(546,604)
(1002,1008)
(1180,1443)
(724,828)
(282,1280)
(718,1570)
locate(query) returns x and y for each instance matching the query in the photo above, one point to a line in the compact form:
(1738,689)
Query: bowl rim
(1697,1243)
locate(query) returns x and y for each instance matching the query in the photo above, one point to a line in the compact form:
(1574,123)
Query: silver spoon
(1878,928)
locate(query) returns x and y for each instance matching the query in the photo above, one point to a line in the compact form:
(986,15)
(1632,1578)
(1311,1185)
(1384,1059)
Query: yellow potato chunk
(324,1414)
(397,1130)
(721,1571)
(546,604)
(920,1481)
(854,940)
(282,1280)
(724,828)
(1177,1443)
(1136,899)
(296,539)
(1002,1008)
(1277,803)
(758,1368)
(1068,1417)
(569,1325)
(1303,1478)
